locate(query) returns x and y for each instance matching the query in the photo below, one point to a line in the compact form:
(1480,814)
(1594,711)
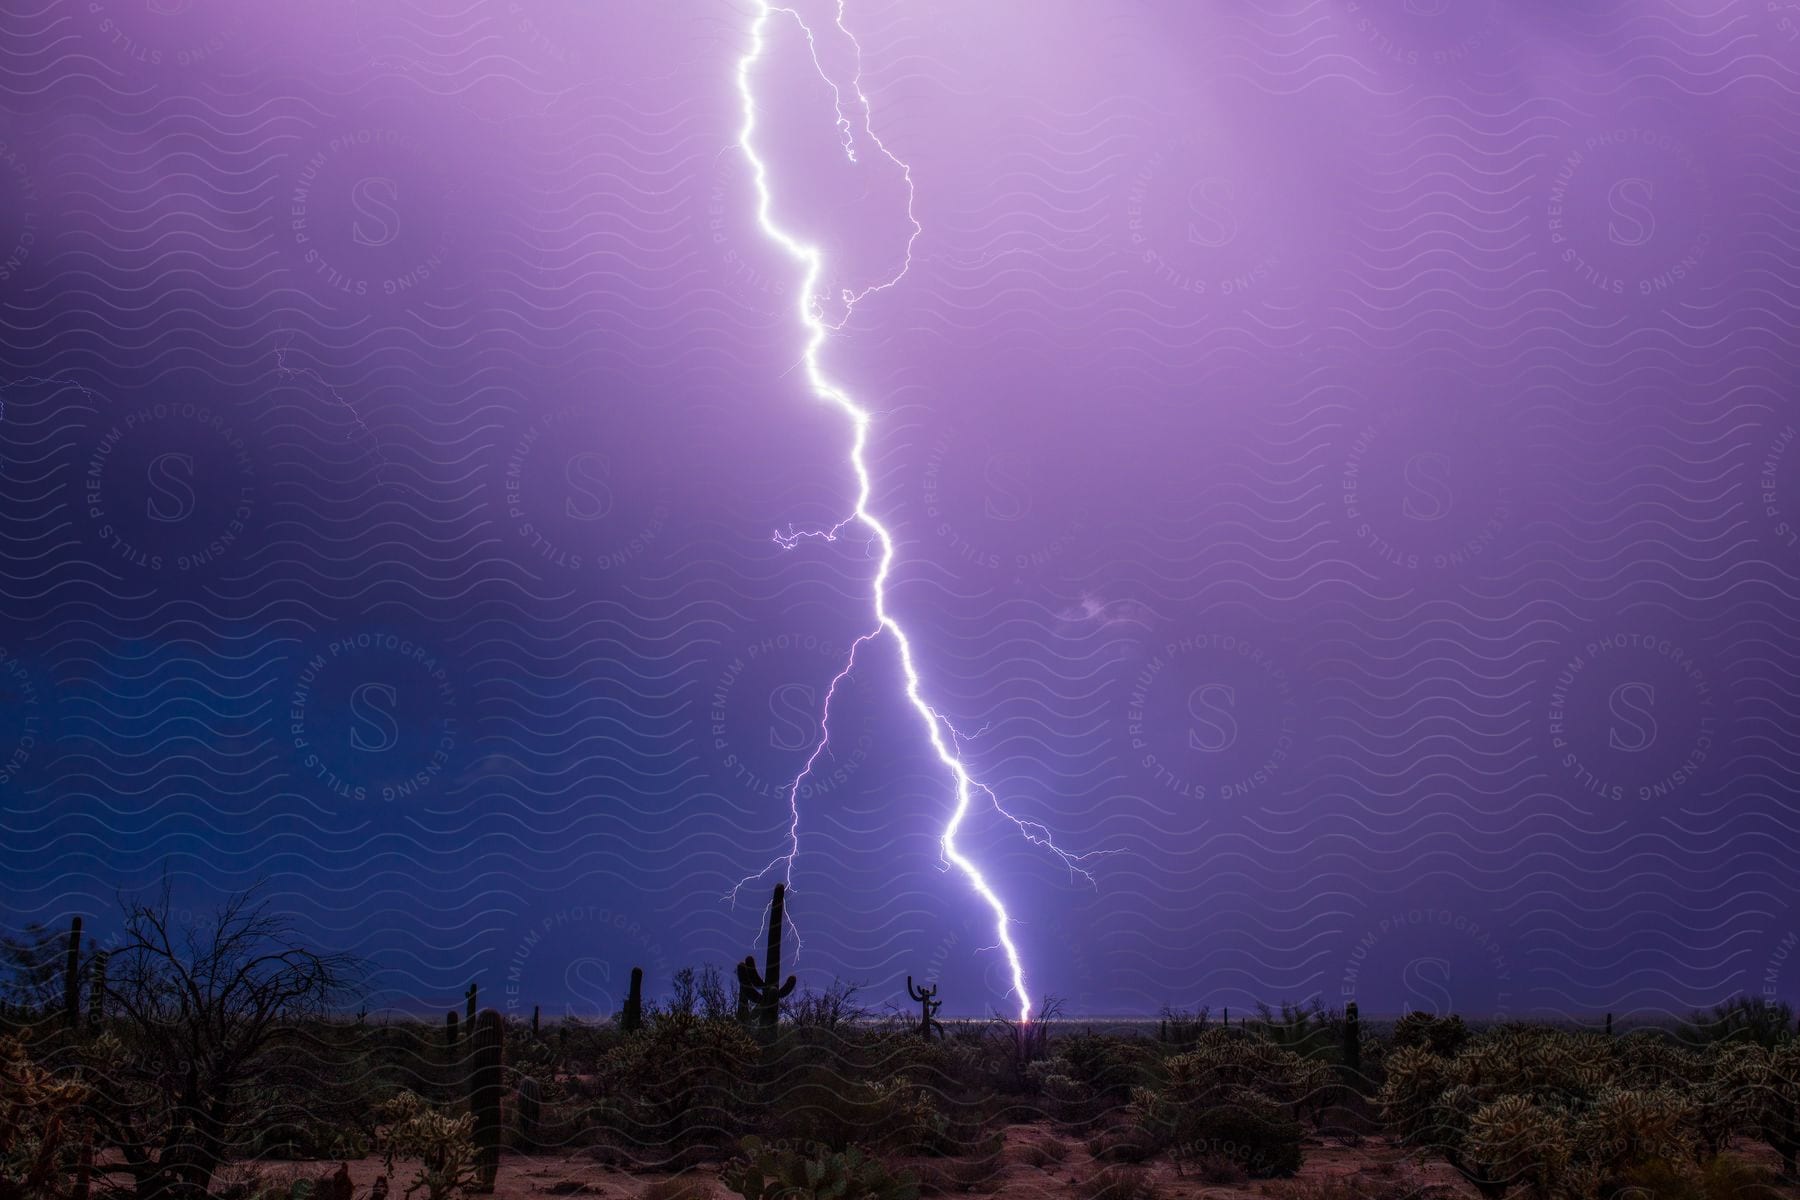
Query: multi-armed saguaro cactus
(1352,1040)
(925,998)
(766,992)
(632,1019)
(469,1009)
(72,977)
(489,1037)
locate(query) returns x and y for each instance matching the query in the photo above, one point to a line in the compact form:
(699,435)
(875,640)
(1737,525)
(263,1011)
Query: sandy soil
(1029,1171)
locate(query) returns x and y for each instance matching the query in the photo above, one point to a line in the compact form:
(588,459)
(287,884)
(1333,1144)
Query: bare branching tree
(202,1007)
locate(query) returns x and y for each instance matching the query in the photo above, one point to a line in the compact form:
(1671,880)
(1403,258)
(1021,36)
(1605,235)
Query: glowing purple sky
(1340,454)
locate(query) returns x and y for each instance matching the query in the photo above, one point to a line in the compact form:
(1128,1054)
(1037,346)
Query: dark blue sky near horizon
(1340,454)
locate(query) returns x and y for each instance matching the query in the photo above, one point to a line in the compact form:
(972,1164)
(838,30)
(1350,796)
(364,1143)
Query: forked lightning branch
(810,259)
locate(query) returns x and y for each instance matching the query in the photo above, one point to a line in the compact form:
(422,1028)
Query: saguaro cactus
(925,998)
(72,977)
(489,1038)
(531,1111)
(765,992)
(97,990)
(469,1009)
(1352,1039)
(632,1019)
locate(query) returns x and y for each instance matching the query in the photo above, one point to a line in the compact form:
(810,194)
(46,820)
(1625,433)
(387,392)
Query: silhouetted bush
(765,1171)
(1441,1035)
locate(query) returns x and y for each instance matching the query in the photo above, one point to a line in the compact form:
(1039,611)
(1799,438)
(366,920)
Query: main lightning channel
(818,328)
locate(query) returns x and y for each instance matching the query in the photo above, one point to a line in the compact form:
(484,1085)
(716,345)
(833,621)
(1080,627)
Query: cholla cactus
(1645,1060)
(1440,1035)
(444,1146)
(1768,1083)
(1065,1096)
(1722,1097)
(906,1116)
(1623,1128)
(781,1172)
(1236,1095)
(1559,1113)
(1223,1063)
(1409,1098)
(1512,1141)
(40,1154)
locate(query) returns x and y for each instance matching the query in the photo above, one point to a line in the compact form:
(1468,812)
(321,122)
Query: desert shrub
(1646,1059)
(1762,1086)
(444,1146)
(580,1046)
(1234,1094)
(834,1008)
(1116,1183)
(291,1136)
(1110,1067)
(987,1056)
(533,1056)
(41,1128)
(1064,1097)
(945,1066)
(1306,1029)
(1724,1178)
(1441,1035)
(1753,1019)
(1045,1153)
(1544,1111)
(1181,1028)
(1621,1129)
(1410,1095)
(764,1171)
(239,1002)
(827,1108)
(678,1084)
(1514,1140)
(260,1181)
(1225,1064)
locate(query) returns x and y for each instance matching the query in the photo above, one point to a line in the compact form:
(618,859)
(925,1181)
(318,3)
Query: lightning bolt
(946,743)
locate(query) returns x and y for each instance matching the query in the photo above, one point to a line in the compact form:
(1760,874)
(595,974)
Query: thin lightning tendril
(945,741)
